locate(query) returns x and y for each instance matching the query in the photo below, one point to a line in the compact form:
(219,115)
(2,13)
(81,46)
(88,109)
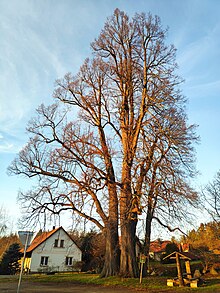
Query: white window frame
(59,243)
(69,261)
(44,261)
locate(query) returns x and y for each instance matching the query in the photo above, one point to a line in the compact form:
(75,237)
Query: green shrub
(10,261)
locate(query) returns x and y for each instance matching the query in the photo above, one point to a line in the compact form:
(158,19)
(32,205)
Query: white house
(52,251)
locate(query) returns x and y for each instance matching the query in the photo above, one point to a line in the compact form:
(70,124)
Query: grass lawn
(150,284)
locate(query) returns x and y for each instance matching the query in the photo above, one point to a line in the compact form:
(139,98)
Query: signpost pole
(29,236)
(141,273)
(142,261)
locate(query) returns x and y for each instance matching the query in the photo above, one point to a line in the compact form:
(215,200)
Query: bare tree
(3,220)
(167,196)
(211,197)
(108,128)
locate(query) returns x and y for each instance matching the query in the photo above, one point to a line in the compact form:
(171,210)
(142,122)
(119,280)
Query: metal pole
(22,264)
(141,273)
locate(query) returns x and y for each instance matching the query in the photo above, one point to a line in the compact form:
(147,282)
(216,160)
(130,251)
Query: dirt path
(9,284)
(27,287)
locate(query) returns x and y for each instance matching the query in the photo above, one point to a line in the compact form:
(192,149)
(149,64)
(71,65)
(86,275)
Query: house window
(56,243)
(44,260)
(69,261)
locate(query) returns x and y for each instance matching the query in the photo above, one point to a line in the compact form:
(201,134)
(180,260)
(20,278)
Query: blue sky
(42,40)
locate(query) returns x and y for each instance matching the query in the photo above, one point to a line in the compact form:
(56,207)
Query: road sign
(142,258)
(25,237)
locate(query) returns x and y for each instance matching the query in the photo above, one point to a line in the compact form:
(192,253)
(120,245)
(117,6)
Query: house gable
(44,237)
(38,240)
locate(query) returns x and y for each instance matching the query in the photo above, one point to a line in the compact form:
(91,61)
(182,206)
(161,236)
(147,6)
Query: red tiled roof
(158,246)
(40,239)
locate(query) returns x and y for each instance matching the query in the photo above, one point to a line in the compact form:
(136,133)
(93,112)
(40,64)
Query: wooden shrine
(183,278)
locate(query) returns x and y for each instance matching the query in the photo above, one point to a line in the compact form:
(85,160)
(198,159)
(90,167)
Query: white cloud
(32,57)
(10,144)
(7,148)
(24,79)
(30,61)
(198,54)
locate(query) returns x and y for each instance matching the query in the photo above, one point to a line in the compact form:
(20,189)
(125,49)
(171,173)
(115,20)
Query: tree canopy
(116,142)
(207,236)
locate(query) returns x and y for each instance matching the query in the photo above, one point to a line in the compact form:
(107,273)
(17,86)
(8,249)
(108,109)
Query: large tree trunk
(112,251)
(128,260)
